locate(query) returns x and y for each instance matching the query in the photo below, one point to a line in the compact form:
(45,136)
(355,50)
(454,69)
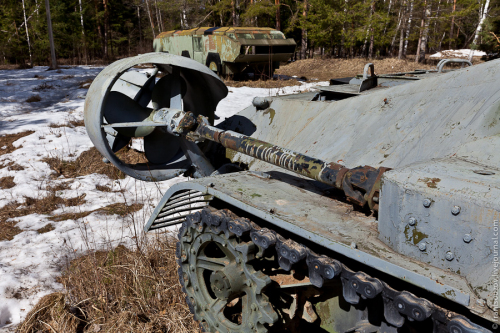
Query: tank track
(398,305)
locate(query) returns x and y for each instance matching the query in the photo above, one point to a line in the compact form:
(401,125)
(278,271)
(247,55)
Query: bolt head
(455,210)
(467,238)
(427,203)
(422,246)
(481,302)
(412,221)
(449,256)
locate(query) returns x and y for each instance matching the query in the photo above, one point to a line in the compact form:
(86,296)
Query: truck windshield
(261,36)
(277,35)
(246,36)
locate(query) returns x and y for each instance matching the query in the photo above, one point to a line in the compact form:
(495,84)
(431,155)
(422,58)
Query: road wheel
(214,63)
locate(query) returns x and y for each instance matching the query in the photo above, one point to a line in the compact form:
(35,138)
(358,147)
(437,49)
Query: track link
(399,306)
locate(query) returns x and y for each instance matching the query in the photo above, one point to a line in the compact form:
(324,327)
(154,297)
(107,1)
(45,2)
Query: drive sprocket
(224,292)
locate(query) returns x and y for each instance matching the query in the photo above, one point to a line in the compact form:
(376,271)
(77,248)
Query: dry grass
(8,230)
(90,162)
(85,84)
(87,163)
(51,314)
(34,98)
(42,87)
(125,291)
(262,83)
(12,166)
(121,209)
(72,123)
(325,69)
(7,182)
(42,205)
(8,139)
(49,227)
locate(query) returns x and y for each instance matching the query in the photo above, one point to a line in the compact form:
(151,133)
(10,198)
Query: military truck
(229,51)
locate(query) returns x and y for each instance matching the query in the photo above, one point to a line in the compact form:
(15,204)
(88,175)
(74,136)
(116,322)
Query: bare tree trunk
(237,2)
(140,28)
(303,49)
(400,19)
(53,61)
(106,27)
(233,13)
(425,32)
(278,15)
(401,42)
(342,39)
(372,38)
(388,13)
(452,22)
(408,28)
(27,34)
(151,20)
(157,13)
(83,33)
(482,17)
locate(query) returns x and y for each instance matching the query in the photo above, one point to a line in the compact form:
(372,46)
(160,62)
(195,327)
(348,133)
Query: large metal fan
(121,103)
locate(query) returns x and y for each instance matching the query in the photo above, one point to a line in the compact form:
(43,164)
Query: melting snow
(31,262)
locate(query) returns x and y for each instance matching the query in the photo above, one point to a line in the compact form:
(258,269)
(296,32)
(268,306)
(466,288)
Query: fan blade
(162,90)
(117,142)
(160,147)
(120,108)
(143,97)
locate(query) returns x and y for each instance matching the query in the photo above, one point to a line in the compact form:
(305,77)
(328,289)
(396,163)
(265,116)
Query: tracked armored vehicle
(366,211)
(229,51)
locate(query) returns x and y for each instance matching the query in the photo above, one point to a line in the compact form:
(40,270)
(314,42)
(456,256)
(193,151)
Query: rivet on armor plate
(412,221)
(467,238)
(427,203)
(422,246)
(455,210)
(449,256)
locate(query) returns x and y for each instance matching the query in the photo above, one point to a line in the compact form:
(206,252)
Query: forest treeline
(90,30)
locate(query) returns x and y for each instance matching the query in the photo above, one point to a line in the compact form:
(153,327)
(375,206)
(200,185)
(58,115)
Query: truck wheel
(213,62)
(185,53)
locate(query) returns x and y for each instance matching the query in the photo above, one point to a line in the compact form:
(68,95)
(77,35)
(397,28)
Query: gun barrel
(361,185)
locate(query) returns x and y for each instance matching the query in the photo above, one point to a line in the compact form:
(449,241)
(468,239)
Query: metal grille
(180,205)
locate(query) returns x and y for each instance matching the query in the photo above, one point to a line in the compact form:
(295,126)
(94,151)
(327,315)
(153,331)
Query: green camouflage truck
(229,51)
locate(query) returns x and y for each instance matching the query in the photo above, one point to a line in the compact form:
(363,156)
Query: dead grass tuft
(34,98)
(49,227)
(125,291)
(51,314)
(85,84)
(8,230)
(66,77)
(39,77)
(11,166)
(87,163)
(42,87)
(121,209)
(72,123)
(8,139)
(103,188)
(262,83)
(7,182)
(43,205)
